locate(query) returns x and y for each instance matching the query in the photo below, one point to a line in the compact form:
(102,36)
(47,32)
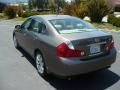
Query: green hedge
(31,13)
(114,20)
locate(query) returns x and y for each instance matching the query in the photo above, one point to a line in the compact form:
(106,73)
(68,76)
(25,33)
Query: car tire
(15,42)
(40,65)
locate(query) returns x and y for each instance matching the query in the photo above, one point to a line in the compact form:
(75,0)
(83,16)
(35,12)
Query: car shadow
(27,56)
(95,81)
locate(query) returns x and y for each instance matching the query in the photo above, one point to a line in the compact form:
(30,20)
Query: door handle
(35,37)
(24,34)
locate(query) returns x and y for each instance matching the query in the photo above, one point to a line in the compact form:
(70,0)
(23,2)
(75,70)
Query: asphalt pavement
(18,72)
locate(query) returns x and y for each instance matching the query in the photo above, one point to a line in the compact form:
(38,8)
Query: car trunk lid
(93,43)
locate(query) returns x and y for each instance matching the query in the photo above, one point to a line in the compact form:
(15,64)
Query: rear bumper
(74,66)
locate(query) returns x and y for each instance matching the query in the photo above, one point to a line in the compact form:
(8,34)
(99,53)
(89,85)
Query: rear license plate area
(95,49)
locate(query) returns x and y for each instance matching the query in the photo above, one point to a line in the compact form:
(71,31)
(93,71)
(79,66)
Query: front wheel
(40,65)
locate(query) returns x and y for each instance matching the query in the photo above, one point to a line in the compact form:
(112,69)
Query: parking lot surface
(18,72)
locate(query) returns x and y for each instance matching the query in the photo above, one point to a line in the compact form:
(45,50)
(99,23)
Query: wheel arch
(13,34)
(35,52)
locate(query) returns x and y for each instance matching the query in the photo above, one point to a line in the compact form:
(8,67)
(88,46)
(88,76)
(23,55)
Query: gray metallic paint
(48,42)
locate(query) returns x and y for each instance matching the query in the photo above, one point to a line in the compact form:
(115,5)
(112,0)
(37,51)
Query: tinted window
(36,26)
(71,25)
(26,24)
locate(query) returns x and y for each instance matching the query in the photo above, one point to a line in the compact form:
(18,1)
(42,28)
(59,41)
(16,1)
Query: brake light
(63,50)
(110,46)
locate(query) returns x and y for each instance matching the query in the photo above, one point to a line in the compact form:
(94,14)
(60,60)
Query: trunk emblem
(97,40)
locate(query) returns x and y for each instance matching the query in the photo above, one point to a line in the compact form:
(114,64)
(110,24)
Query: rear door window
(37,26)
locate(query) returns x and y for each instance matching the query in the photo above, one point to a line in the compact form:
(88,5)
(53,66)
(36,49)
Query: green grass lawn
(1,15)
(19,19)
(106,26)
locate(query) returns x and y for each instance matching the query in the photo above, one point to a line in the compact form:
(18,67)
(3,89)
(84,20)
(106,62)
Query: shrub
(110,18)
(10,11)
(79,10)
(97,9)
(52,5)
(19,11)
(114,20)
(29,13)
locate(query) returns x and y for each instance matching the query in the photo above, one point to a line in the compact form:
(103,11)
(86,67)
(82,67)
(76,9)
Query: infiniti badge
(97,40)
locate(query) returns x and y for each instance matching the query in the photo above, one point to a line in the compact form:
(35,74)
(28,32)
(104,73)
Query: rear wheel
(40,65)
(15,42)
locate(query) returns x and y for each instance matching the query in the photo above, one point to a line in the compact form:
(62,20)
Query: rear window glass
(64,26)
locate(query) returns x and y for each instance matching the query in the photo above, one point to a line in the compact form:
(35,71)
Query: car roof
(52,17)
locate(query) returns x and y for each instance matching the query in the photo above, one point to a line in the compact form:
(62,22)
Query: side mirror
(17,27)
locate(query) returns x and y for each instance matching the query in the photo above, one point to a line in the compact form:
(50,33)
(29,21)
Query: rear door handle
(24,34)
(35,37)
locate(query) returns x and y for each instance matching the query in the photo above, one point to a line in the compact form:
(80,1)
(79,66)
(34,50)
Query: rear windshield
(65,26)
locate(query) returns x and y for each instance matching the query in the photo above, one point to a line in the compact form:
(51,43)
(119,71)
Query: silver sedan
(64,45)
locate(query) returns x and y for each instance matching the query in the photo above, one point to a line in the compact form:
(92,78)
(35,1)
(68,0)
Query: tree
(77,1)
(52,5)
(40,4)
(2,6)
(32,4)
(60,3)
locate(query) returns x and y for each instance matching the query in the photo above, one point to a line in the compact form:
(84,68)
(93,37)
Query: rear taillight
(63,50)
(110,46)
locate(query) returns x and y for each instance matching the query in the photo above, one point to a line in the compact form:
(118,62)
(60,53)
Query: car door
(22,34)
(35,30)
